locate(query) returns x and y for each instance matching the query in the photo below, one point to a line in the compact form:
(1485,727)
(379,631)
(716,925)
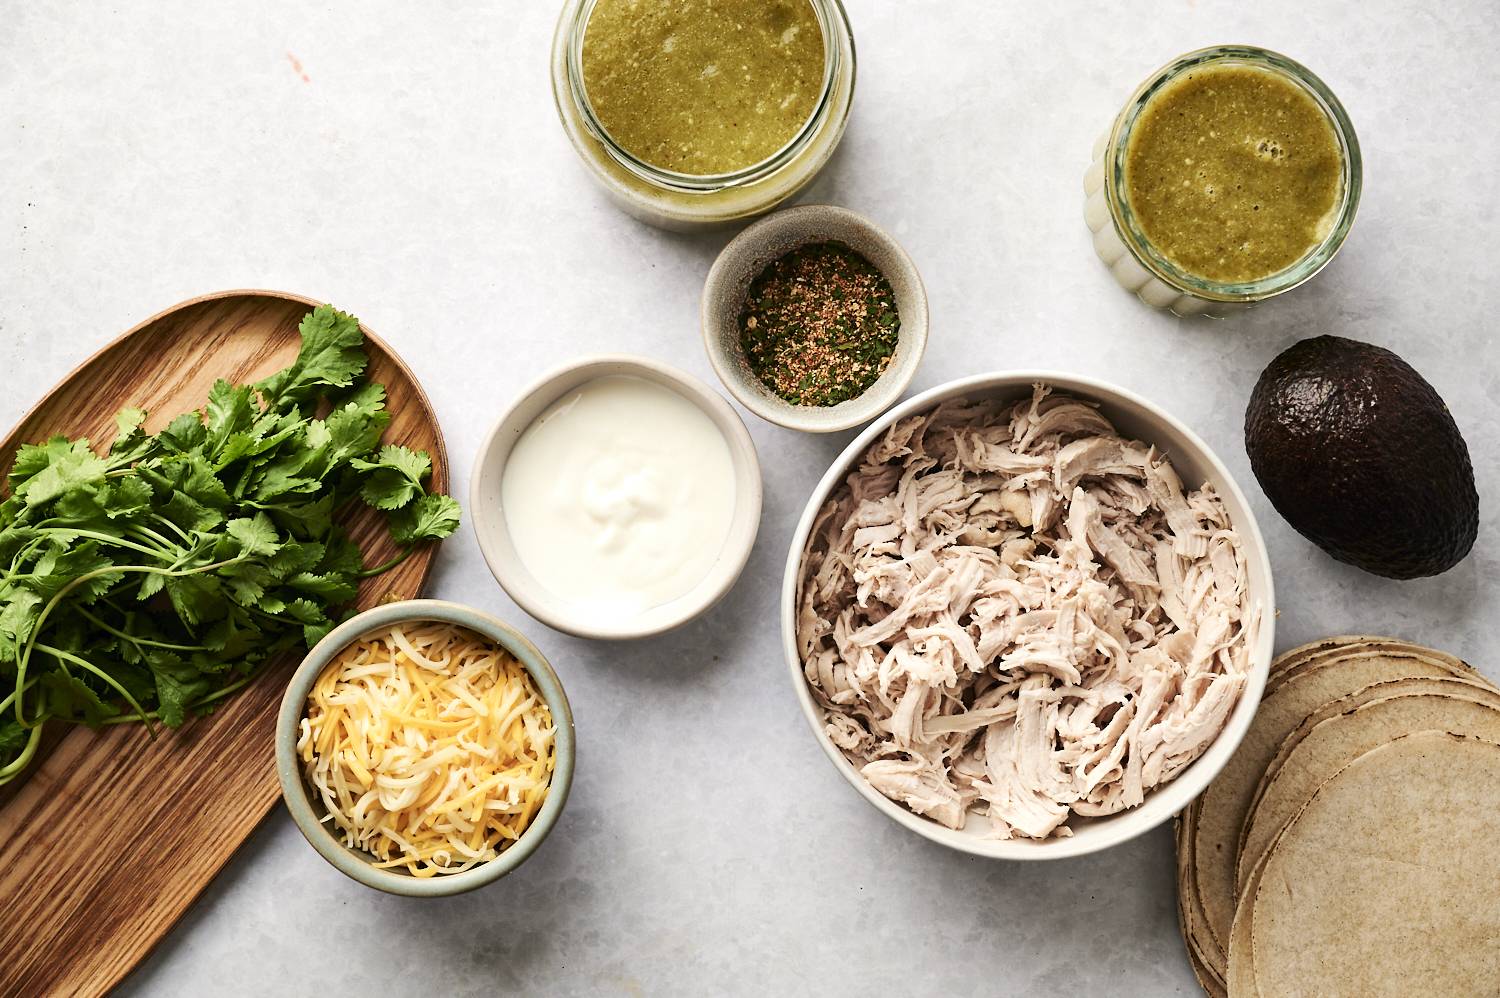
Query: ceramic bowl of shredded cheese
(425,748)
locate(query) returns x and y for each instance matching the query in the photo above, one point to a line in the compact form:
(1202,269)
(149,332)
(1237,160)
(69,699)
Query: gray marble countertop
(405,162)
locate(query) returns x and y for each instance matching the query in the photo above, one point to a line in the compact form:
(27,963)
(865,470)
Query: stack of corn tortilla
(1352,844)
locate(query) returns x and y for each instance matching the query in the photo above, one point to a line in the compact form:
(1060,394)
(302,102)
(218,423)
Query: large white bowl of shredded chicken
(1028,615)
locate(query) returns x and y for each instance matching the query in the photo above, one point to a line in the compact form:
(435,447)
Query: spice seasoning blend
(820,325)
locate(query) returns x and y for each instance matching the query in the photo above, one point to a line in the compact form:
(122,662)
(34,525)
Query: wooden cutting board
(109,837)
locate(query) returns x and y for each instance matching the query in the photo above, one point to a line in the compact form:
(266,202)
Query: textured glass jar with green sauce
(1231,176)
(693,113)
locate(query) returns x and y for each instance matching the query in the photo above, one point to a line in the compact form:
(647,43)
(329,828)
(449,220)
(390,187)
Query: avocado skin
(1363,458)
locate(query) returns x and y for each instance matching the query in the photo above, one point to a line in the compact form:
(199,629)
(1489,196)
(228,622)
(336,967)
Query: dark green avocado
(1360,454)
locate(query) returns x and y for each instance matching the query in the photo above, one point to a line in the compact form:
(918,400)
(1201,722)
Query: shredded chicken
(1010,610)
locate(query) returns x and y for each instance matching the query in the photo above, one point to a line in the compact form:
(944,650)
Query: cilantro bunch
(153,581)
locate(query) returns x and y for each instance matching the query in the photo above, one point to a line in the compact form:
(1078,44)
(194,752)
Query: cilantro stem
(180,532)
(137,641)
(382,569)
(164,542)
(11,696)
(57,598)
(13,768)
(202,701)
(107,539)
(67,656)
(21,556)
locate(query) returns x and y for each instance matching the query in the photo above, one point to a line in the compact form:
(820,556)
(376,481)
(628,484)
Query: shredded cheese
(428,746)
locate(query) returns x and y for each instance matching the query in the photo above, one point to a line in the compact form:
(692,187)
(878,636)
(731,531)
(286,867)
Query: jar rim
(1146,253)
(834,24)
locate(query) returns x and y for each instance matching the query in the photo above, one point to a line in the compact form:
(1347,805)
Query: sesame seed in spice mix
(820,325)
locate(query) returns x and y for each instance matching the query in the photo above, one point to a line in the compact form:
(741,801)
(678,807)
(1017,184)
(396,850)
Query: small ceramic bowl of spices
(815,319)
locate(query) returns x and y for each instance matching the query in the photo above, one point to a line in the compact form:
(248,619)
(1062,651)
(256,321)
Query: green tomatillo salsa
(703,87)
(1233,173)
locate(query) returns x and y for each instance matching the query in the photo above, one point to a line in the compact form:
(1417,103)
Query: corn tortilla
(1203,955)
(1205,952)
(1393,900)
(1341,731)
(1328,674)
(1312,655)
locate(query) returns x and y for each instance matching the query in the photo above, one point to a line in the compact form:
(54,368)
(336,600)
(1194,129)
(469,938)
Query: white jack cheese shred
(428,746)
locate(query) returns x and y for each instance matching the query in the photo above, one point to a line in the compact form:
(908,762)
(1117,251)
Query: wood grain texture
(107,841)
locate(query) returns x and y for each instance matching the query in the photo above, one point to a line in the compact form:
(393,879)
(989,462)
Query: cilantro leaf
(69,696)
(19,616)
(349,431)
(332,589)
(267,434)
(125,498)
(315,622)
(13,737)
(190,514)
(184,434)
(355,428)
(33,458)
(341,557)
(131,443)
(128,423)
(150,585)
(75,469)
(84,567)
(177,685)
(193,496)
(306,518)
(172,696)
(294,557)
(256,535)
(229,411)
(247,582)
(235,637)
(196,598)
(396,478)
(431,517)
(120,499)
(193,476)
(332,355)
(370,395)
(285,477)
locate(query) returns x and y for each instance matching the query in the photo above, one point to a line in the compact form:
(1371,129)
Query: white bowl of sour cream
(617,498)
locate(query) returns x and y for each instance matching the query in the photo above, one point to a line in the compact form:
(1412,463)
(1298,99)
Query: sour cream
(618,497)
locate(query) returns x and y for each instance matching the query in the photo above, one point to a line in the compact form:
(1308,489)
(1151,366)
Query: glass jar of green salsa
(693,113)
(1231,176)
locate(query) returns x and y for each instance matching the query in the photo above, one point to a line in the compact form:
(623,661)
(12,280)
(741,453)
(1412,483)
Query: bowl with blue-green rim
(308,812)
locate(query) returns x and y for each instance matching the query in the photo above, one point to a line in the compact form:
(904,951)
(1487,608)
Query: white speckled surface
(155,149)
